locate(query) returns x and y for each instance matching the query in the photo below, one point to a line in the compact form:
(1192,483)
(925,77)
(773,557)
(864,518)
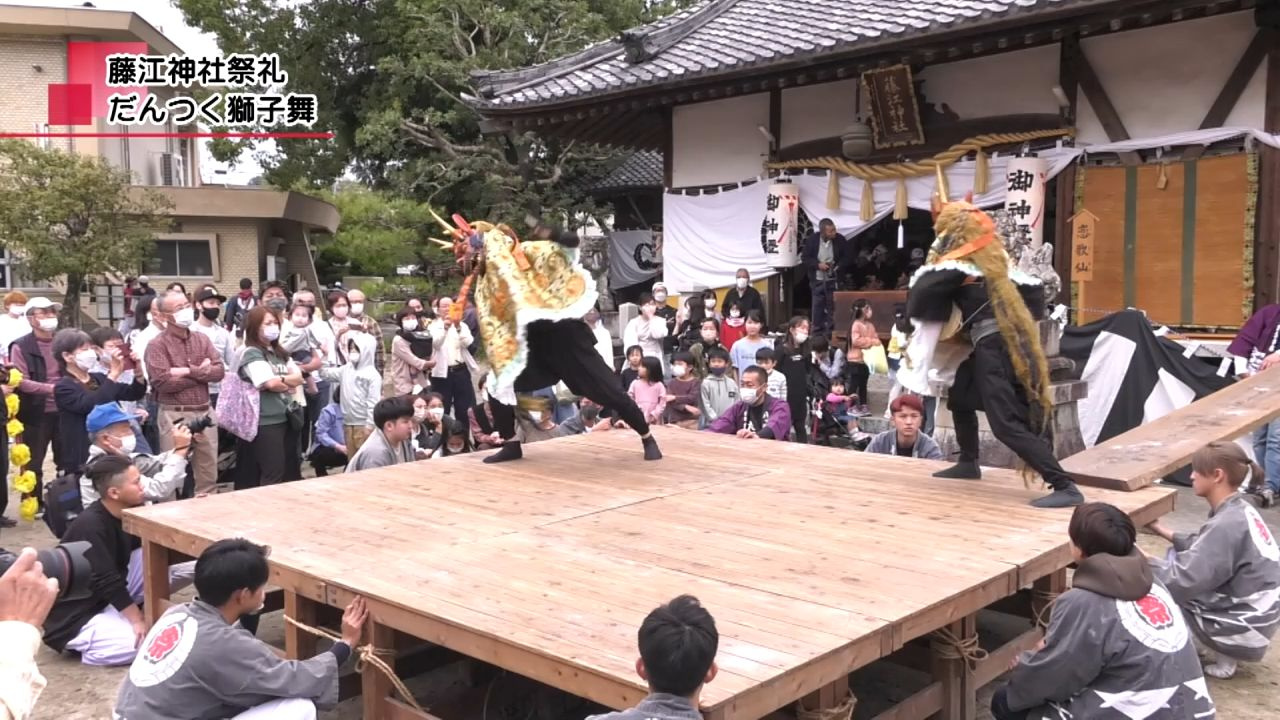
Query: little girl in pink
(648,392)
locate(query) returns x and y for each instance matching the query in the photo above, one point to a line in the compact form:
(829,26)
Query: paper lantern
(779,235)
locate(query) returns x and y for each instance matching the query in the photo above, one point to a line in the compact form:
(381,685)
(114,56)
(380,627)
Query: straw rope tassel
(900,209)
(833,190)
(981,173)
(843,711)
(868,209)
(366,655)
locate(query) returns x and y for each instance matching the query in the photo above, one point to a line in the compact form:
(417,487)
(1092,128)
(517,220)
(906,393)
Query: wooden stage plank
(814,561)
(1147,453)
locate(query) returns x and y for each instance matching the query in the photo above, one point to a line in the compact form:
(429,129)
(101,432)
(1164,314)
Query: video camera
(67,563)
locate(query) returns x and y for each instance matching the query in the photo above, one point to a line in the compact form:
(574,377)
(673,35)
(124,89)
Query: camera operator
(26,597)
(111,434)
(107,624)
(181,365)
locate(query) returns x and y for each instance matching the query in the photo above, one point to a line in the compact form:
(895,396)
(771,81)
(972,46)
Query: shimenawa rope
(950,646)
(843,711)
(366,654)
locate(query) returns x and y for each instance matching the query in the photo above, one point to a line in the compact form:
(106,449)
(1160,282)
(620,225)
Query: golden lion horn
(942,183)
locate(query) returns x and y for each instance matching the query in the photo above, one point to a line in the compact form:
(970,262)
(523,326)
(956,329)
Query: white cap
(42,303)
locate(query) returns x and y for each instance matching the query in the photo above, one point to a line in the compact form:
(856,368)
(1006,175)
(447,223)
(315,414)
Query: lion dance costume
(975,330)
(530,298)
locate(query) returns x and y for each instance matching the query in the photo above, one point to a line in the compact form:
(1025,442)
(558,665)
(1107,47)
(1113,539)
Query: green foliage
(76,216)
(378,234)
(398,289)
(390,75)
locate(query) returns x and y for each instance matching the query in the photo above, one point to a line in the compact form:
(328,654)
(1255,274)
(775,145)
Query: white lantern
(1024,201)
(779,233)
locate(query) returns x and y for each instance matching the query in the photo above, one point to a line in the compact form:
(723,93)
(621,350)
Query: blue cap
(103,416)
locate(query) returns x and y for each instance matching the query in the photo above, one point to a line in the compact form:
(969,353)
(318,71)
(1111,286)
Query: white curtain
(706,238)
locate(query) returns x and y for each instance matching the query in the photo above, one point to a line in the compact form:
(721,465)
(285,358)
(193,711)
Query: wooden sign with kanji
(1084,227)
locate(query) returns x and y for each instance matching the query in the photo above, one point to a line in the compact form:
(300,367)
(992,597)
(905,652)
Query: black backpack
(62,502)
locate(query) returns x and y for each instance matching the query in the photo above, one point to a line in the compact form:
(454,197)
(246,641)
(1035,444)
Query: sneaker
(1065,497)
(1268,497)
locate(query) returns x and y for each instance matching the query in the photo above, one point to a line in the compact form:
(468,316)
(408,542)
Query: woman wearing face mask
(266,366)
(410,353)
(734,326)
(694,312)
(746,297)
(648,330)
(435,428)
(795,362)
(79,391)
(339,314)
(483,428)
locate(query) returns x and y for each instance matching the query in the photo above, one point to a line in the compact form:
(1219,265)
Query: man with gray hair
(182,364)
(368,324)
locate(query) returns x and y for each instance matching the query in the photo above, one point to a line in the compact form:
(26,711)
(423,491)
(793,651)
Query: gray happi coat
(1226,578)
(1116,649)
(195,666)
(658,706)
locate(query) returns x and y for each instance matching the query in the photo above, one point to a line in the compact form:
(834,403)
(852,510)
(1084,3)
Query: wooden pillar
(155,580)
(1065,207)
(376,687)
(959,688)
(668,149)
(298,643)
(1266,256)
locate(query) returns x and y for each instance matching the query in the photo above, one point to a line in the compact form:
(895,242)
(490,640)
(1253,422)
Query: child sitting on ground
(719,391)
(647,390)
(767,358)
(1116,646)
(1226,577)
(678,643)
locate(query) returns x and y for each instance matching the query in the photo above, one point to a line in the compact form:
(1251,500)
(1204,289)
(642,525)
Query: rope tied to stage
(950,646)
(1042,601)
(366,655)
(843,711)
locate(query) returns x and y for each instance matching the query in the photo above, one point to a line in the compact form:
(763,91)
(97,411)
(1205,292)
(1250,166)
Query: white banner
(779,231)
(1024,200)
(633,258)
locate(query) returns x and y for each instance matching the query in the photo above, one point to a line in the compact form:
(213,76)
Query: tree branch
(557,170)
(428,135)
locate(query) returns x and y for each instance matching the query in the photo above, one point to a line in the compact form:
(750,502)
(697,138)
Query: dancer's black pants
(986,381)
(566,350)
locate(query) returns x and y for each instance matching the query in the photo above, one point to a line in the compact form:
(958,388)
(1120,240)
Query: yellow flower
(20,454)
(15,377)
(25,482)
(28,508)
(15,427)
(12,403)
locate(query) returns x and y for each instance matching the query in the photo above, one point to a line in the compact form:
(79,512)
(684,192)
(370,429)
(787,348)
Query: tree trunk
(70,315)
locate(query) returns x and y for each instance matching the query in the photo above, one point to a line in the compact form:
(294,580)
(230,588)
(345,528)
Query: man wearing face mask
(747,297)
(33,356)
(111,434)
(182,364)
(209,305)
(370,325)
(756,415)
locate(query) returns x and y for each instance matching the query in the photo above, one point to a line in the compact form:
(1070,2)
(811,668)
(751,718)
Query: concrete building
(220,234)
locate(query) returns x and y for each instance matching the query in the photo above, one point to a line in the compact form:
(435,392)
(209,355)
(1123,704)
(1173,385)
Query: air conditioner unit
(171,170)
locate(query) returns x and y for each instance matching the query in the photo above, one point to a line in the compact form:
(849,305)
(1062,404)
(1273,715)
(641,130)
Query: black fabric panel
(931,297)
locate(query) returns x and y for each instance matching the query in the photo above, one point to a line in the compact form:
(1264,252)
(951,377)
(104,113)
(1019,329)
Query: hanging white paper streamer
(1059,313)
(1225,367)
(1191,350)
(1162,331)
(902,237)
(1242,365)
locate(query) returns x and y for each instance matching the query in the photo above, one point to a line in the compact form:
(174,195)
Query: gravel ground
(76,692)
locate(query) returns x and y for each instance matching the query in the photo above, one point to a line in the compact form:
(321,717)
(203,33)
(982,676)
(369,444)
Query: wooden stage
(814,561)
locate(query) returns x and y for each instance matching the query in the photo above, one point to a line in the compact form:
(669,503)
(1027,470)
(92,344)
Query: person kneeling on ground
(1226,577)
(589,418)
(106,626)
(905,439)
(1116,646)
(111,433)
(389,444)
(678,643)
(757,414)
(196,663)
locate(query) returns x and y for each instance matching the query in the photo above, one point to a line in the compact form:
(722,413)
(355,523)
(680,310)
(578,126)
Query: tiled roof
(724,36)
(641,170)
